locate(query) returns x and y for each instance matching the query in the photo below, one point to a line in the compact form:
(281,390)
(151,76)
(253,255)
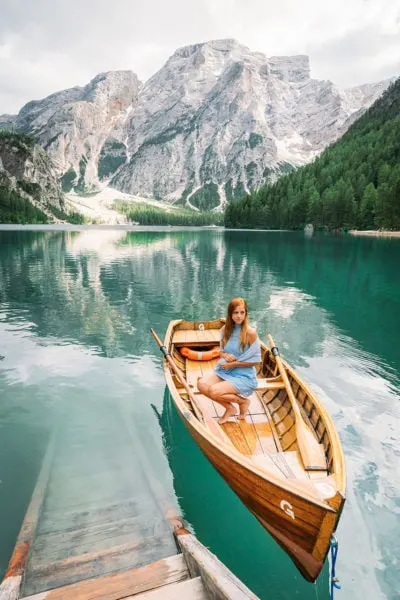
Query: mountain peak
(113,76)
(221,45)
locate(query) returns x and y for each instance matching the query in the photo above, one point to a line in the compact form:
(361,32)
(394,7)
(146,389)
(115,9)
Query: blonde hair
(229,323)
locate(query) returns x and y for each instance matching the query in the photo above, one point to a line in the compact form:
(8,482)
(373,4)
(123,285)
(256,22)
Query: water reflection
(75,314)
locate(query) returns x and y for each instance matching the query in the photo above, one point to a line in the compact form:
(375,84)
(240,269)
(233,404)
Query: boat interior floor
(258,435)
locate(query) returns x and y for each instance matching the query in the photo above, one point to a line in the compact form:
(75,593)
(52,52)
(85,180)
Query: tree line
(148,214)
(354,183)
(15,209)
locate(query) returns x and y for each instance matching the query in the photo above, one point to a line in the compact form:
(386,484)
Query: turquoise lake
(76,307)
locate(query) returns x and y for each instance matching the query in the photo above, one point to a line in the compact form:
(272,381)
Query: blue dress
(243,379)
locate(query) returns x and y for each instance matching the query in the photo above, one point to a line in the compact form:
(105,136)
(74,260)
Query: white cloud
(46,46)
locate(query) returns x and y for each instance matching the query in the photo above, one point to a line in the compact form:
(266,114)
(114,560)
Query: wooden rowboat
(284,461)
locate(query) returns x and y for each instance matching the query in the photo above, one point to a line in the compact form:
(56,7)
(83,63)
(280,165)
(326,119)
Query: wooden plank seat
(263,384)
(196,338)
(270,383)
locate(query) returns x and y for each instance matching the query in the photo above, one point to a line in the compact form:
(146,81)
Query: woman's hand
(228,357)
(228,365)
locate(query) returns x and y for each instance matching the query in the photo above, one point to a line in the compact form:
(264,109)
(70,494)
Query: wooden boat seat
(269,384)
(190,337)
(263,384)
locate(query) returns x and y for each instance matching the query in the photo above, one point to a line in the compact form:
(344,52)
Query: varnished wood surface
(196,337)
(262,463)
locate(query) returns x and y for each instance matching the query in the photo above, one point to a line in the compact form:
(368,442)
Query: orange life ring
(197,355)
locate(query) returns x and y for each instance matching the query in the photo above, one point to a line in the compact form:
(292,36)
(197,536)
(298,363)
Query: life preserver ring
(198,355)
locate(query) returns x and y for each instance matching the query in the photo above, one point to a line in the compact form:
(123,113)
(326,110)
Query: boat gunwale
(301,489)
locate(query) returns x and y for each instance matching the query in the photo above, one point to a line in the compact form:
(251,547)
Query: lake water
(76,354)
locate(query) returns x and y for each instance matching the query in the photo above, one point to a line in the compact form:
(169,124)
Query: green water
(75,313)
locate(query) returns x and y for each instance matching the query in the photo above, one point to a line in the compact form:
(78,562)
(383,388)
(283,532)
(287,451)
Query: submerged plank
(62,544)
(66,521)
(122,585)
(132,554)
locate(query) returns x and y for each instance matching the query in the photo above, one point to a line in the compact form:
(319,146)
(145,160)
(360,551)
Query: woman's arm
(251,338)
(234,363)
(251,335)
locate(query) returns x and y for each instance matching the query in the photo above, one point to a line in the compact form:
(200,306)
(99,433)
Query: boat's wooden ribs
(309,411)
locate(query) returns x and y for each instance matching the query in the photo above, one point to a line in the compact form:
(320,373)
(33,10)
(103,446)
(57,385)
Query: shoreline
(375,233)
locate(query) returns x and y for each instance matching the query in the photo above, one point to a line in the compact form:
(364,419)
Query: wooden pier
(99,527)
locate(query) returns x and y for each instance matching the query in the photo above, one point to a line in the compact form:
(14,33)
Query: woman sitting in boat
(234,377)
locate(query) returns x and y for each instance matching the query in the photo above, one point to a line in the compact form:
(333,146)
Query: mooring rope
(334,579)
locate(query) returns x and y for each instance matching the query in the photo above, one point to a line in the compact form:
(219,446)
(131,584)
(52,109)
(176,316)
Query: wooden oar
(198,412)
(312,452)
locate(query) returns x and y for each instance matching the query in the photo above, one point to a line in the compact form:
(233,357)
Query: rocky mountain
(27,172)
(82,129)
(216,121)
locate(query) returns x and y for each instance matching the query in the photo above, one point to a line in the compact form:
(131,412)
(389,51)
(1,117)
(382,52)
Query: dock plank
(133,554)
(193,589)
(130,583)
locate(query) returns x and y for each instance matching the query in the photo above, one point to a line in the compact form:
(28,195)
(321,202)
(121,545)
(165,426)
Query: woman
(234,377)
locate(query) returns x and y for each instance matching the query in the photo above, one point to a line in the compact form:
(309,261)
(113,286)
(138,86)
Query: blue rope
(334,579)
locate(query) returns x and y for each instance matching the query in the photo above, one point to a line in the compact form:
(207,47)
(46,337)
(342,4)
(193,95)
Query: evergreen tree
(353,183)
(368,207)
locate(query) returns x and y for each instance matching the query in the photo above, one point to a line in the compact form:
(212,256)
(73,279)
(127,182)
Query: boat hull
(302,528)
(296,513)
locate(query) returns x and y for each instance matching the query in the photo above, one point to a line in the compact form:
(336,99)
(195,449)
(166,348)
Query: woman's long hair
(229,323)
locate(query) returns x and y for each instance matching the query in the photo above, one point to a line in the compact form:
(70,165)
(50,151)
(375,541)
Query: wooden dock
(99,527)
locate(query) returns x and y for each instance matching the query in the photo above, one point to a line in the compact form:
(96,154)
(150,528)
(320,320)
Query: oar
(177,371)
(312,452)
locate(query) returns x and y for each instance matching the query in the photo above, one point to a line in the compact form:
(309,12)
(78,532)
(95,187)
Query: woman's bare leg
(244,408)
(225,393)
(204,385)
(244,403)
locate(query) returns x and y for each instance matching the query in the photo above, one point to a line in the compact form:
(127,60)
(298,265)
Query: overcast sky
(49,45)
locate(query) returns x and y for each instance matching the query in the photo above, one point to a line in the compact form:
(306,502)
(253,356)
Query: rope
(334,579)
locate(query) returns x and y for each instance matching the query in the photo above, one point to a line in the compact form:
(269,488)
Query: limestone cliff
(26,170)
